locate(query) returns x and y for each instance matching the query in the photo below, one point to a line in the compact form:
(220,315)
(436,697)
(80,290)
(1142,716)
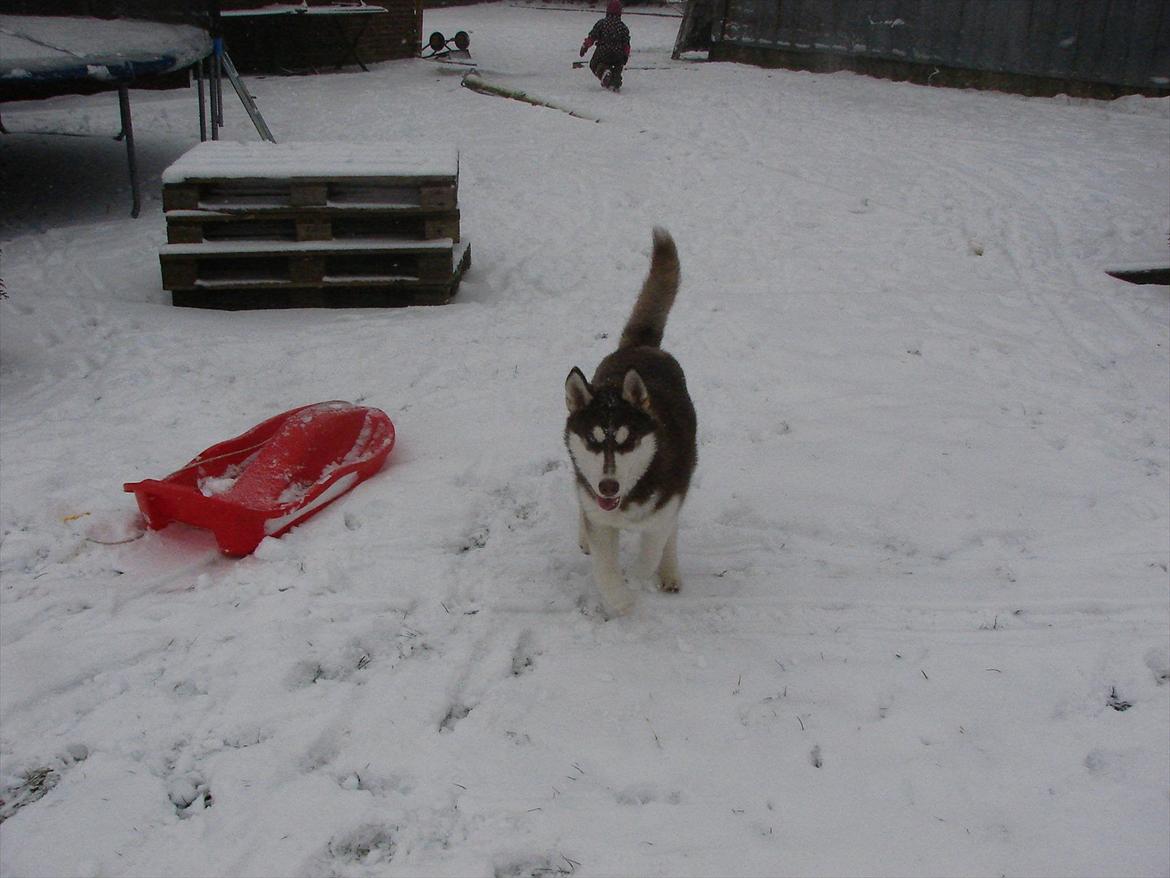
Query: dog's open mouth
(608,503)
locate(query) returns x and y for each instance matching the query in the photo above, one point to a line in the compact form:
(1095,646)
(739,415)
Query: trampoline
(42,56)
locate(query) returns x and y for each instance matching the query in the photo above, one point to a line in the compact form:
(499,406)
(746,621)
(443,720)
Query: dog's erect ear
(634,391)
(578,393)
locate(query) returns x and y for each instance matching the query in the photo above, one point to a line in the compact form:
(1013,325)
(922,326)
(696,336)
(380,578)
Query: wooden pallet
(254,193)
(332,274)
(325,224)
(333,225)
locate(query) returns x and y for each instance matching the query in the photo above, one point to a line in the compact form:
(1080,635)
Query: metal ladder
(221,65)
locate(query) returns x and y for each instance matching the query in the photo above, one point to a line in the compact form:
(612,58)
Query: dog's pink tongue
(608,503)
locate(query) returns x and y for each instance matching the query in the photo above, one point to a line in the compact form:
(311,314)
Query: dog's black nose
(608,488)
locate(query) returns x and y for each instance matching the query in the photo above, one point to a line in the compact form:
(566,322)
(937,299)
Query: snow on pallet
(336,224)
(325,161)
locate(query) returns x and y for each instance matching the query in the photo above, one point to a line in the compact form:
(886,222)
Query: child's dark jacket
(612,38)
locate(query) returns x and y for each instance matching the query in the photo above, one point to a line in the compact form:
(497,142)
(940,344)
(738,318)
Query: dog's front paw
(669,583)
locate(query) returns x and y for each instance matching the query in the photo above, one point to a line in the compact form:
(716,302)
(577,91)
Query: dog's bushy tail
(648,319)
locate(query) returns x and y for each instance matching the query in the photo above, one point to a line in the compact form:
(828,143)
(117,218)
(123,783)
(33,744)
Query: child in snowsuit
(613,46)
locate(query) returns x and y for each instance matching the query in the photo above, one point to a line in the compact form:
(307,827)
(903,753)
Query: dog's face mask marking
(610,436)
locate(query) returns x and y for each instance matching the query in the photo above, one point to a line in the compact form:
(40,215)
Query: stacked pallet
(295,225)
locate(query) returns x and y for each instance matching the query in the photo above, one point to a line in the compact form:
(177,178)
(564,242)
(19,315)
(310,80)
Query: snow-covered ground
(924,621)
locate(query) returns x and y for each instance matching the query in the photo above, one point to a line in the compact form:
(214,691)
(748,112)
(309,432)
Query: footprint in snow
(1158,661)
(537,866)
(36,783)
(647,794)
(454,715)
(524,655)
(189,793)
(368,845)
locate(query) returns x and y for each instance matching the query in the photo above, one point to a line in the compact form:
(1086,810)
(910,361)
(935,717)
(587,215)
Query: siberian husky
(631,438)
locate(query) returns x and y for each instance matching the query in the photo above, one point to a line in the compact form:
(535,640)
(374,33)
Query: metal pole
(128,130)
(219,81)
(215,97)
(200,73)
(215,29)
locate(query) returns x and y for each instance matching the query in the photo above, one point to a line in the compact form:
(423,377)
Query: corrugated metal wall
(1115,42)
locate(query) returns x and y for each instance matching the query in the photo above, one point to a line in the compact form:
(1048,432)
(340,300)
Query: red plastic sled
(272,477)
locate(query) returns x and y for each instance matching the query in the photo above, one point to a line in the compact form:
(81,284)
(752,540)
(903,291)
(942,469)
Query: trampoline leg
(218,86)
(128,130)
(200,74)
(215,96)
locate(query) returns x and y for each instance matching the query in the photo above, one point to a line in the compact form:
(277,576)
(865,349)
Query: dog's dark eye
(629,444)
